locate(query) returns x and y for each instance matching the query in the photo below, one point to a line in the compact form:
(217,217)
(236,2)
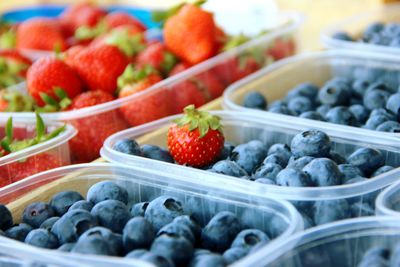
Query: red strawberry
(13,67)
(196,139)
(100,66)
(281,49)
(147,107)
(47,76)
(157,56)
(83,14)
(93,130)
(120,18)
(14,55)
(234,69)
(40,34)
(71,53)
(210,84)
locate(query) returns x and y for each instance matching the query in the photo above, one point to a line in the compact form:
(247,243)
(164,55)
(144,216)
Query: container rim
(381,202)
(287,193)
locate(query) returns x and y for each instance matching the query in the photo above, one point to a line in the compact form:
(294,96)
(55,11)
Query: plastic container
(317,68)
(26,162)
(355,25)
(388,202)
(241,128)
(335,244)
(170,96)
(205,196)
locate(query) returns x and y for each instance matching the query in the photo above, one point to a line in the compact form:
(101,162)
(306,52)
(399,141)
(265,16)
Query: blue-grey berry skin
(136,254)
(308,90)
(6,220)
(367,160)
(190,222)
(360,113)
(330,210)
(323,109)
(276,159)
(393,103)
(341,115)
(177,248)
(299,163)
(112,214)
(250,155)
(114,239)
(312,115)
(226,151)
(48,224)
(229,167)
(300,104)
(139,209)
(107,190)
(157,153)
(163,210)
(42,238)
(157,260)
(249,238)
(220,231)
(375,99)
(342,36)
(375,256)
(283,109)
(374,121)
(67,247)
(18,232)
(200,251)
(36,213)
(176,229)
(379,85)
(281,149)
(234,254)
(268,171)
(389,126)
(382,170)
(255,100)
(349,172)
(337,158)
(334,93)
(93,245)
(312,143)
(381,111)
(395,256)
(293,178)
(373,28)
(62,201)
(128,146)
(323,172)
(137,233)
(206,260)
(82,205)
(359,87)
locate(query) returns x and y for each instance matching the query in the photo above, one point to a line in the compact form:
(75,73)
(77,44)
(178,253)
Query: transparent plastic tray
(388,202)
(317,68)
(243,127)
(29,161)
(167,97)
(355,25)
(210,196)
(336,244)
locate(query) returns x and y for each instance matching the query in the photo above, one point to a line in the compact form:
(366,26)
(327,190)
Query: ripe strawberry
(236,68)
(190,34)
(13,67)
(157,56)
(71,53)
(147,107)
(196,139)
(50,78)
(14,57)
(40,34)
(82,14)
(120,18)
(93,130)
(281,49)
(100,66)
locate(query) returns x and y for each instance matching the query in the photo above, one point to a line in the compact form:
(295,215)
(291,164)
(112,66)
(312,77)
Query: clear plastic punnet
(388,202)
(356,199)
(355,25)
(50,154)
(276,80)
(170,96)
(202,198)
(344,244)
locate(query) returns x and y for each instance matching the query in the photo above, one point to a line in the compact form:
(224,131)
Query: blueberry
(250,155)
(107,190)
(255,100)
(373,261)
(67,247)
(157,153)
(391,30)
(330,210)
(163,210)
(277,104)
(334,93)
(374,121)
(337,158)
(138,233)
(375,256)
(114,240)
(355,101)
(342,36)
(112,214)
(157,260)
(128,146)
(283,109)
(248,238)
(312,143)
(384,112)
(378,251)
(308,90)
(200,251)
(395,42)
(393,103)
(226,151)
(367,160)
(93,244)
(36,213)
(323,172)
(341,115)
(82,205)
(323,109)
(137,253)
(190,222)
(360,113)
(389,126)
(300,104)
(176,248)
(220,231)
(234,254)
(6,220)
(382,170)
(359,87)
(18,232)
(299,163)
(349,172)
(139,209)
(61,202)
(42,238)
(211,259)
(379,85)
(72,224)
(282,149)
(375,98)
(312,115)
(268,171)
(230,168)
(395,256)
(373,29)
(48,224)
(265,181)
(276,159)
(293,177)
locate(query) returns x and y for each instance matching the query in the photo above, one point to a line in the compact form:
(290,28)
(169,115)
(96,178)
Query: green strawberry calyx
(129,44)
(88,33)
(10,145)
(201,120)
(52,104)
(162,16)
(16,101)
(169,62)
(132,75)
(235,41)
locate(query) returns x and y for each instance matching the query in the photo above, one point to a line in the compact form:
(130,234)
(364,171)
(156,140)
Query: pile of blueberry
(357,102)
(376,33)
(381,256)
(163,231)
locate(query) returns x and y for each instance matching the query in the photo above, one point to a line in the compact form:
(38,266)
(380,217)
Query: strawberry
(281,48)
(49,78)
(190,34)
(71,53)
(13,67)
(14,55)
(235,68)
(100,66)
(210,84)
(14,101)
(147,107)
(93,130)
(82,14)
(157,56)
(40,34)
(120,18)
(196,139)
